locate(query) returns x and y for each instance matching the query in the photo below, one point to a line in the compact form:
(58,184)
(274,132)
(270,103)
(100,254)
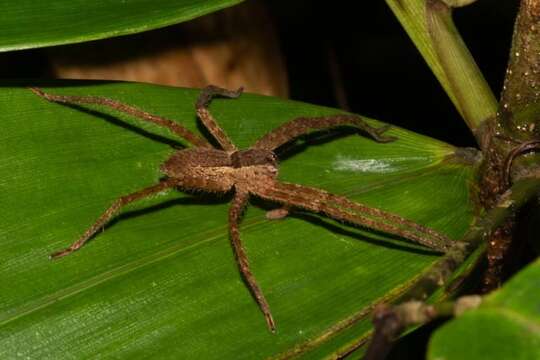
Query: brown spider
(250,172)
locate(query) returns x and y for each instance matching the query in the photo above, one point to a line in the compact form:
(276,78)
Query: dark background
(383,74)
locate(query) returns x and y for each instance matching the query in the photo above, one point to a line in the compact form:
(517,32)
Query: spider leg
(302,125)
(206,96)
(235,212)
(278,214)
(173,126)
(111,211)
(341,208)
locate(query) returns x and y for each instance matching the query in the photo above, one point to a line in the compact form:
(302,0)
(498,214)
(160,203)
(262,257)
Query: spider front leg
(206,96)
(110,212)
(173,126)
(301,126)
(235,212)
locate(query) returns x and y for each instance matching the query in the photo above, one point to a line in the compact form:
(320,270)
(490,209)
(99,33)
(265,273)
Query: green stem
(429,24)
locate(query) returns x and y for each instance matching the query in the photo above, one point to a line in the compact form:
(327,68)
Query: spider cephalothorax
(215,170)
(251,172)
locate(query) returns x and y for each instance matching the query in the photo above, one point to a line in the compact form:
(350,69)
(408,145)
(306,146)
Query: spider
(250,172)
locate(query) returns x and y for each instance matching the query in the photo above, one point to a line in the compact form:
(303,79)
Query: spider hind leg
(108,214)
(239,202)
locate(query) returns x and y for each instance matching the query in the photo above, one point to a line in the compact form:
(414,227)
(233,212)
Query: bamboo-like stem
(429,24)
(520,99)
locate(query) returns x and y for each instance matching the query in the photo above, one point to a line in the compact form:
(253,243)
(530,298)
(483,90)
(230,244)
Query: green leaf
(161,280)
(29,24)
(505,326)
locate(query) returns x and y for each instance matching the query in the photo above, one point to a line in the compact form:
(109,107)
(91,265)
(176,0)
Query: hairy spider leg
(239,203)
(303,125)
(340,208)
(173,126)
(113,210)
(300,126)
(206,96)
(278,214)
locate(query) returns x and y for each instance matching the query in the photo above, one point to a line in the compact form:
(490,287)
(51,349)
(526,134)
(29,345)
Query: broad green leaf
(161,280)
(505,326)
(26,24)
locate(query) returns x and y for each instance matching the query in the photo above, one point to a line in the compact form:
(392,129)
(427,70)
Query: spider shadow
(285,151)
(326,223)
(191,199)
(316,138)
(175,144)
(220,199)
(114,120)
(205,132)
(315,220)
(322,137)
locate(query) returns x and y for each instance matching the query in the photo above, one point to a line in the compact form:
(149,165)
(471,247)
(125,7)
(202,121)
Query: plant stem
(429,24)
(520,105)
(510,202)
(514,129)
(389,321)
